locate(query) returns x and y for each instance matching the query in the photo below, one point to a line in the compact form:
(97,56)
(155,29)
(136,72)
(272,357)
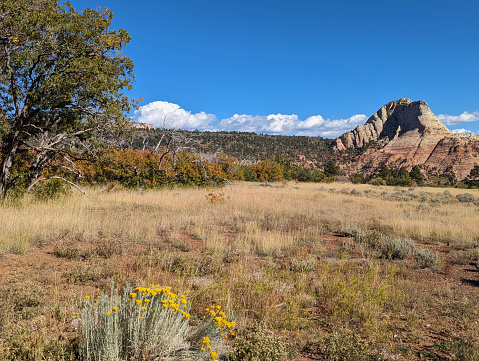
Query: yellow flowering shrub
(149,321)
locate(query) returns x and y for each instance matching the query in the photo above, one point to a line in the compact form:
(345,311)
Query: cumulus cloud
(170,115)
(465,117)
(461,131)
(284,124)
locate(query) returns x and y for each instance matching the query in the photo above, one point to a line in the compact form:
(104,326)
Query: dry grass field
(313,271)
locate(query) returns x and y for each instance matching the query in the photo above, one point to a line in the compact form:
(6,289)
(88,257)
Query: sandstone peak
(408,133)
(392,120)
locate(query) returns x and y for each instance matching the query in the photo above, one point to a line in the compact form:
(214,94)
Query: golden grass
(268,253)
(268,218)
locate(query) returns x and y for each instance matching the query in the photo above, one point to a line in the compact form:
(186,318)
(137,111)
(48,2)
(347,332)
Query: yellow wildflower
(143,308)
(133,295)
(87,297)
(115,309)
(108,313)
(147,301)
(138,302)
(214,355)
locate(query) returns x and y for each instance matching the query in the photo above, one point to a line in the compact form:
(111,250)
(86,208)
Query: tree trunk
(7,164)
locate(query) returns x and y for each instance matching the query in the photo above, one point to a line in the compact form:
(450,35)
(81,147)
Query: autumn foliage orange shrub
(137,168)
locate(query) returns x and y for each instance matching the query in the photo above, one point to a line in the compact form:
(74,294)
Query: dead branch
(56,177)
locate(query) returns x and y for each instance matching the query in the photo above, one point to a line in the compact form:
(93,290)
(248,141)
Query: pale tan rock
(407,134)
(143,126)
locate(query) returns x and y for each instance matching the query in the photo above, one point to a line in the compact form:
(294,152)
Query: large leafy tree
(62,78)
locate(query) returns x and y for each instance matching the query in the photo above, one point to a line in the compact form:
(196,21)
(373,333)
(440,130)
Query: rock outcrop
(406,133)
(143,126)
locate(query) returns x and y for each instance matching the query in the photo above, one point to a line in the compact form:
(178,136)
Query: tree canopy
(62,78)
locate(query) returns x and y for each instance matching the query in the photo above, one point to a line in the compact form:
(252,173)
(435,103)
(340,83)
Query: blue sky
(298,67)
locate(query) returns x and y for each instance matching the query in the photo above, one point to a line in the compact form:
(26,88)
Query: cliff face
(408,133)
(392,121)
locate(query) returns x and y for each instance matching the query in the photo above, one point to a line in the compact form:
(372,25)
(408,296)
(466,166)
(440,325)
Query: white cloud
(461,131)
(271,124)
(170,115)
(284,124)
(465,117)
(332,128)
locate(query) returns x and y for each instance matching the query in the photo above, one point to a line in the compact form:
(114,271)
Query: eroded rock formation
(406,133)
(143,126)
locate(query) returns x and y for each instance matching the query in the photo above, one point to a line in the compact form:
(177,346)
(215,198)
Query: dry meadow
(316,271)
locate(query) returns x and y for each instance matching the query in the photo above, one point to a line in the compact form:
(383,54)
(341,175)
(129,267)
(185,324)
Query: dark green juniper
(62,77)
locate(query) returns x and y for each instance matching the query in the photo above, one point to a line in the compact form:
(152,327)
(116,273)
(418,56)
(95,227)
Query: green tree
(384,172)
(357,178)
(245,173)
(62,78)
(416,175)
(474,173)
(331,169)
(472,180)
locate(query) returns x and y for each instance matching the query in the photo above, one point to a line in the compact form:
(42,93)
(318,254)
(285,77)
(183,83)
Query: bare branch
(56,177)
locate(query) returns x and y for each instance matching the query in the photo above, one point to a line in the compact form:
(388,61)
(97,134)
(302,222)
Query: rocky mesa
(404,133)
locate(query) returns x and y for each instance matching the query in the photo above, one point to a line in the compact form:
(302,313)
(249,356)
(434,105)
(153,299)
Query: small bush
(425,258)
(350,231)
(398,248)
(373,239)
(82,274)
(215,197)
(461,258)
(345,345)
(108,247)
(69,249)
(257,343)
(354,192)
(465,198)
(189,264)
(148,324)
(305,265)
